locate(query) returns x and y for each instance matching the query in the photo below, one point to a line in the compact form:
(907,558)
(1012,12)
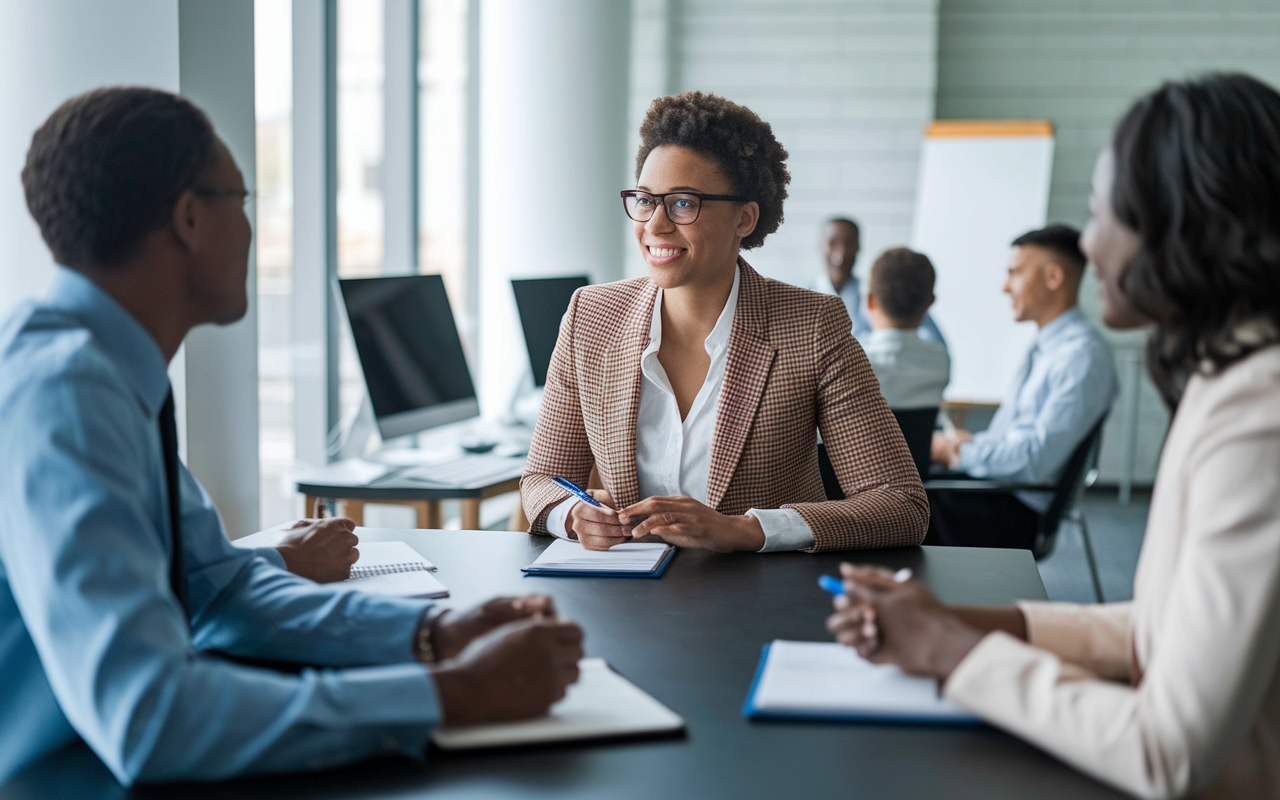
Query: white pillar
(216,73)
(51,51)
(315,226)
(553,120)
(400,138)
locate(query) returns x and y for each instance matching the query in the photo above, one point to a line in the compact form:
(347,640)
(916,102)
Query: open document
(601,705)
(631,560)
(826,680)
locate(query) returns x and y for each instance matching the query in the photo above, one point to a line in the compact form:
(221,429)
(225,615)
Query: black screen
(407,341)
(542,303)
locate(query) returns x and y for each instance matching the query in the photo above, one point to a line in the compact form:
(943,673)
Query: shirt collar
(120,336)
(893,334)
(717,340)
(1058,327)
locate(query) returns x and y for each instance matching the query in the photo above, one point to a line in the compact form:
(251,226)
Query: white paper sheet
(601,704)
(630,557)
(829,679)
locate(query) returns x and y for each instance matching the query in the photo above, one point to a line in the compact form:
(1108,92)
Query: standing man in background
(841,241)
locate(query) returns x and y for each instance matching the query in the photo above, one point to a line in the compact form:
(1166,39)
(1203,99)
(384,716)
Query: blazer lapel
(620,401)
(747,367)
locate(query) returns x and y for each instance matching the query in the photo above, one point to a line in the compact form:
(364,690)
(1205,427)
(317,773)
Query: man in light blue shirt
(1065,386)
(841,242)
(121,612)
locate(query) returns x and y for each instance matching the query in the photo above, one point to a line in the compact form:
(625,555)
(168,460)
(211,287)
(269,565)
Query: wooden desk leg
(428,514)
(470,513)
(352,509)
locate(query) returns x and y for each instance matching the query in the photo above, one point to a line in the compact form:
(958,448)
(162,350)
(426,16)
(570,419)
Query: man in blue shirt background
(1065,385)
(117,604)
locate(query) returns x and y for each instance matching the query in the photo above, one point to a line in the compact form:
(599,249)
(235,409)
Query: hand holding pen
(594,521)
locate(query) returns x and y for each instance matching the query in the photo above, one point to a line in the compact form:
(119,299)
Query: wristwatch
(423,649)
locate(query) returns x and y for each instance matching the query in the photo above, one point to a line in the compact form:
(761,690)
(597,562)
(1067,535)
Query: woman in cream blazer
(1177,692)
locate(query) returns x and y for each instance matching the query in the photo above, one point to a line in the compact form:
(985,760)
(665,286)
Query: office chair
(1079,474)
(917,428)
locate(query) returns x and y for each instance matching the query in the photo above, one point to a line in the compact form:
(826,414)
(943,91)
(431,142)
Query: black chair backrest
(917,428)
(1070,486)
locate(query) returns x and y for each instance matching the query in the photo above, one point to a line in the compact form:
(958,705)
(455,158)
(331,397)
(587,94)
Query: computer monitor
(542,303)
(409,350)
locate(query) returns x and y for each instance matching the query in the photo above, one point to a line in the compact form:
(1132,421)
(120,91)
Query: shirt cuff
(557,516)
(272,557)
(784,529)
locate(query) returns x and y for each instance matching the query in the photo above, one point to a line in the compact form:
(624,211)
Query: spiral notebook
(395,569)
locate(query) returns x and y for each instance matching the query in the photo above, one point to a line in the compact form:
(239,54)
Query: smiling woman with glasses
(694,395)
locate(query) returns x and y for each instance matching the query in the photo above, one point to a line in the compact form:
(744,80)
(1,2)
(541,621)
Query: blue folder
(656,572)
(751,711)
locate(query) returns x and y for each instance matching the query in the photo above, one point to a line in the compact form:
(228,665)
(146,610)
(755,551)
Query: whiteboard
(982,184)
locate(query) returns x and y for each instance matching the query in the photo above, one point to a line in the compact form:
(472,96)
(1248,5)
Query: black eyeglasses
(243,194)
(682,208)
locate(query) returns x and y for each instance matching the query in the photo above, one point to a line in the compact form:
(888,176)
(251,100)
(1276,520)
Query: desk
(352,499)
(691,639)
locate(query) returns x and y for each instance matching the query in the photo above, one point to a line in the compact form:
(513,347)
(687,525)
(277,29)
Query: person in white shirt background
(840,244)
(1066,385)
(913,371)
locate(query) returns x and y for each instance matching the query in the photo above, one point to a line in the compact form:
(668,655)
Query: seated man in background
(1063,388)
(841,242)
(119,591)
(912,371)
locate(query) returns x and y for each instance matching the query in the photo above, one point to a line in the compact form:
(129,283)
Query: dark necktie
(169,442)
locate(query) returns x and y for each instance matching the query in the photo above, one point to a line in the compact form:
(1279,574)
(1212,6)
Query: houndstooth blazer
(793,369)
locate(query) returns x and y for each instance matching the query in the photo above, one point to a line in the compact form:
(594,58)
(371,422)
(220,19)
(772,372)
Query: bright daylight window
(442,192)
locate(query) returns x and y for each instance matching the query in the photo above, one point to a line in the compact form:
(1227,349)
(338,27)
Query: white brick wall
(1080,63)
(848,86)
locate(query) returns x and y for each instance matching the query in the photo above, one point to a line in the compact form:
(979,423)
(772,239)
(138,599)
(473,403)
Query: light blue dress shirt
(851,294)
(1065,386)
(93,642)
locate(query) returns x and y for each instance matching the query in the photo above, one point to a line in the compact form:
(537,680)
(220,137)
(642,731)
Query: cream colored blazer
(1177,692)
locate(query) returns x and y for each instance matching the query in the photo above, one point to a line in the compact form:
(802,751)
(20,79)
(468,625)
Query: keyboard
(462,472)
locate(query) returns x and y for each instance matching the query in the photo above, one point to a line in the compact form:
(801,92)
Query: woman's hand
(899,623)
(685,522)
(597,528)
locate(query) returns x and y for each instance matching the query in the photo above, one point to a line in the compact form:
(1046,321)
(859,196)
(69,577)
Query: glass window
(442,153)
(273,31)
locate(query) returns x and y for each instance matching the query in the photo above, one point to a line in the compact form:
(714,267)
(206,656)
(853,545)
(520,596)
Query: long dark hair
(1198,177)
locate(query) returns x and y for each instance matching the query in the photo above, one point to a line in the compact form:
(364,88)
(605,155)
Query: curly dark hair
(1198,178)
(106,168)
(902,281)
(735,137)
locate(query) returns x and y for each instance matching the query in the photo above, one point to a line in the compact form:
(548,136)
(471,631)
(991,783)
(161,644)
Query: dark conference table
(691,639)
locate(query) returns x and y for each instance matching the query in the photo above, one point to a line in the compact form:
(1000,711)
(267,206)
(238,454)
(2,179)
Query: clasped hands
(681,521)
(899,623)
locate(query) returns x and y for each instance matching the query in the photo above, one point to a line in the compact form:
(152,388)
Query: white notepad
(831,681)
(395,569)
(566,556)
(602,704)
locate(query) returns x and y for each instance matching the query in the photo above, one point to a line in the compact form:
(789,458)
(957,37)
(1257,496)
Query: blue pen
(836,587)
(577,491)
